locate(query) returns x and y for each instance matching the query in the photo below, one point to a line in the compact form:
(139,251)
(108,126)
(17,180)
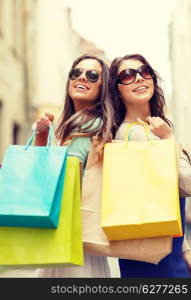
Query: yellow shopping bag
(48,247)
(140,196)
(95,241)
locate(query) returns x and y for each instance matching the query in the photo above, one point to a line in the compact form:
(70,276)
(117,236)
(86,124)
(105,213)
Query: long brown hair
(157,102)
(71,122)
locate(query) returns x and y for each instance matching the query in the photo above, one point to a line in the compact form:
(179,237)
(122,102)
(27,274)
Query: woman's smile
(81,87)
(141,89)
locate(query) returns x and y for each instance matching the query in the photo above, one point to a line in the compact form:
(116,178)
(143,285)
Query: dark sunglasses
(91,75)
(128,76)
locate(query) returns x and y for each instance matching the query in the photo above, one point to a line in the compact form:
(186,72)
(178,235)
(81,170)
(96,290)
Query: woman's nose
(139,78)
(82,77)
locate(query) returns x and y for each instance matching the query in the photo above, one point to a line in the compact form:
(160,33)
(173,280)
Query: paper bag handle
(51,138)
(146,127)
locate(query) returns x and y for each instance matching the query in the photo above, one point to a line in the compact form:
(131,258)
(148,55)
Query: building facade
(37,47)
(180,49)
(12,81)
(54,46)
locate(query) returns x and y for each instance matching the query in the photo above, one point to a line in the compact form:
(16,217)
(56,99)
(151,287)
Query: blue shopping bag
(31,184)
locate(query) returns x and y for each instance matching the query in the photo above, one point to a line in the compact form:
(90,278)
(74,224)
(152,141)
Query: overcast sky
(122,27)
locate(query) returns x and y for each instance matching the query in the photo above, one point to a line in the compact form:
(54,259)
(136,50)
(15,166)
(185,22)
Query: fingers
(152,120)
(42,125)
(159,127)
(141,122)
(49,116)
(155,122)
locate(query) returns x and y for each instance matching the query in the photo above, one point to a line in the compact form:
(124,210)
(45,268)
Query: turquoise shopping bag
(31,184)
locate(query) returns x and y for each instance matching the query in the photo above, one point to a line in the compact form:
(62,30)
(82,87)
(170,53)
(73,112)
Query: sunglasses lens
(127,76)
(75,73)
(146,72)
(92,75)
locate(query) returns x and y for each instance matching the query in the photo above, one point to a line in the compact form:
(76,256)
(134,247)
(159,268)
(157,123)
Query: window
(16,131)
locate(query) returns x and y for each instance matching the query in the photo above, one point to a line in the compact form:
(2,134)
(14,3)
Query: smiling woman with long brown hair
(87,113)
(137,97)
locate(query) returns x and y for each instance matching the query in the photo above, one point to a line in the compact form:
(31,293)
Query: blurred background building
(180,49)
(37,47)
(13,99)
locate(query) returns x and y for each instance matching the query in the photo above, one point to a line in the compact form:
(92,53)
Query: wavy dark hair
(71,121)
(157,102)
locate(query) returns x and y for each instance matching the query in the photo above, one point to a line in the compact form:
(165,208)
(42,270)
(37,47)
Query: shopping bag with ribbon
(95,241)
(31,183)
(42,247)
(140,197)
